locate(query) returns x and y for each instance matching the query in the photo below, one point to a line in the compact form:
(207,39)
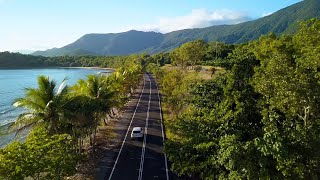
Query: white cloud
(267,14)
(199,18)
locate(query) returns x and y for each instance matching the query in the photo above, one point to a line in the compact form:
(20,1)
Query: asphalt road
(143,159)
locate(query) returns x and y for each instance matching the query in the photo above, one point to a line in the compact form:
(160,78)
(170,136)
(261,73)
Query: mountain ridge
(133,41)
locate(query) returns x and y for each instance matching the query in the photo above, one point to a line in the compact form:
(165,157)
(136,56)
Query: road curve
(143,159)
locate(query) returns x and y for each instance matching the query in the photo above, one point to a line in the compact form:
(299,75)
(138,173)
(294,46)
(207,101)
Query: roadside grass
(204,74)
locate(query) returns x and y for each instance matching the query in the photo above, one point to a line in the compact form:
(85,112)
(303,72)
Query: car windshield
(136,132)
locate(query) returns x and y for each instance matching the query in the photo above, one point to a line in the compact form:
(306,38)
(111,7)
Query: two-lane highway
(155,160)
(143,159)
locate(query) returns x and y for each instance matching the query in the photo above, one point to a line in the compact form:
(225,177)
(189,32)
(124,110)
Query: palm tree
(45,105)
(99,95)
(126,80)
(81,121)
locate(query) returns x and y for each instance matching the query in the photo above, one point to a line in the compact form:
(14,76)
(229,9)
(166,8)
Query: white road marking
(165,156)
(124,140)
(144,138)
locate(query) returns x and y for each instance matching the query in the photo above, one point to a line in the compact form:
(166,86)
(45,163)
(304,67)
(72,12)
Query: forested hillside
(284,21)
(108,44)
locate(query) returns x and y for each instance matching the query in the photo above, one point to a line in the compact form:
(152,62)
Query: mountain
(108,44)
(24,51)
(283,21)
(63,51)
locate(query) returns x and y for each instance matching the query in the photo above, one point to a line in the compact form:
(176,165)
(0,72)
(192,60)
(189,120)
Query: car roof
(137,129)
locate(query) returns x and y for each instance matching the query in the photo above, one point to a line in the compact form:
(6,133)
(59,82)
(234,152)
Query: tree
(41,156)
(288,81)
(260,120)
(189,53)
(98,92)
(176,59)
(45,105)
(162,58)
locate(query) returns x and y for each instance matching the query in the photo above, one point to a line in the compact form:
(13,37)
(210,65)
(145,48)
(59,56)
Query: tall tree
(191,53)
(100,98)
(45,105)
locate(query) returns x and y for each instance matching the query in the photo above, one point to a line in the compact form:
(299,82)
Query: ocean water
(14,81)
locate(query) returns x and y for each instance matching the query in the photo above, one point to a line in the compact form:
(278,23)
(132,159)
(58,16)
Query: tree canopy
(259,120)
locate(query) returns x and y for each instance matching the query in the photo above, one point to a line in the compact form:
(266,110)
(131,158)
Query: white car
(137,132)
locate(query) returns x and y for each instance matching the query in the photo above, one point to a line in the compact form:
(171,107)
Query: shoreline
(96,67)
(55,67)
(6,122)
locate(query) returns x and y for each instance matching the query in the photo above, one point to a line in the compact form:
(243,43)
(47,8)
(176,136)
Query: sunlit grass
(204,74)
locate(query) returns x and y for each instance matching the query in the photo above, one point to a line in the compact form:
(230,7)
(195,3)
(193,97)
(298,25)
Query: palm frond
(25,120)
(28,104)
(36,96)
(62,86)
(26,127)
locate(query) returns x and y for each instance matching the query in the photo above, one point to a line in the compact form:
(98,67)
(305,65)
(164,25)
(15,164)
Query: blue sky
(43,24)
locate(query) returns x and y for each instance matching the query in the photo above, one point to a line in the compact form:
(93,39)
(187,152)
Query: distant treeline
(200,52)
(17,60)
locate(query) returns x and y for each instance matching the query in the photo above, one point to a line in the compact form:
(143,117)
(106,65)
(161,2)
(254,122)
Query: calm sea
(13,82)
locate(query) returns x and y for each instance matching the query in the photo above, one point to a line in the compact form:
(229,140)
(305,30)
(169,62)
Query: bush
(198,68)
(40,156)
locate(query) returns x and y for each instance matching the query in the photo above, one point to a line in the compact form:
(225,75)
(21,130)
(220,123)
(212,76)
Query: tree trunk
(90,140)
(94,140)
(80,145)
(306,115)
(94,133)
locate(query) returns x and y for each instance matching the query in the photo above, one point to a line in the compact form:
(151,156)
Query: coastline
(96,67)
(56,67)
(8,114)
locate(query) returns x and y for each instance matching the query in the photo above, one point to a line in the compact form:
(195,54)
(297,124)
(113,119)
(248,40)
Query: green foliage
(60,118)
(175,85)
(42,156)
(258,121)
(162,58)
(46,104)
(8,59)
(207,93)
(94,97)
(287,78)
(191,53)
(16,60)
(218,50)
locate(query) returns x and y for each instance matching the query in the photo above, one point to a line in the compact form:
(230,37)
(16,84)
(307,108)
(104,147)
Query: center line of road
(125,137)
(145,137)
(161,122)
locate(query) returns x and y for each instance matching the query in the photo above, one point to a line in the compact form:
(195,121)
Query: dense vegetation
(283,21)
(259,120)
(60,118)
(17,60)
